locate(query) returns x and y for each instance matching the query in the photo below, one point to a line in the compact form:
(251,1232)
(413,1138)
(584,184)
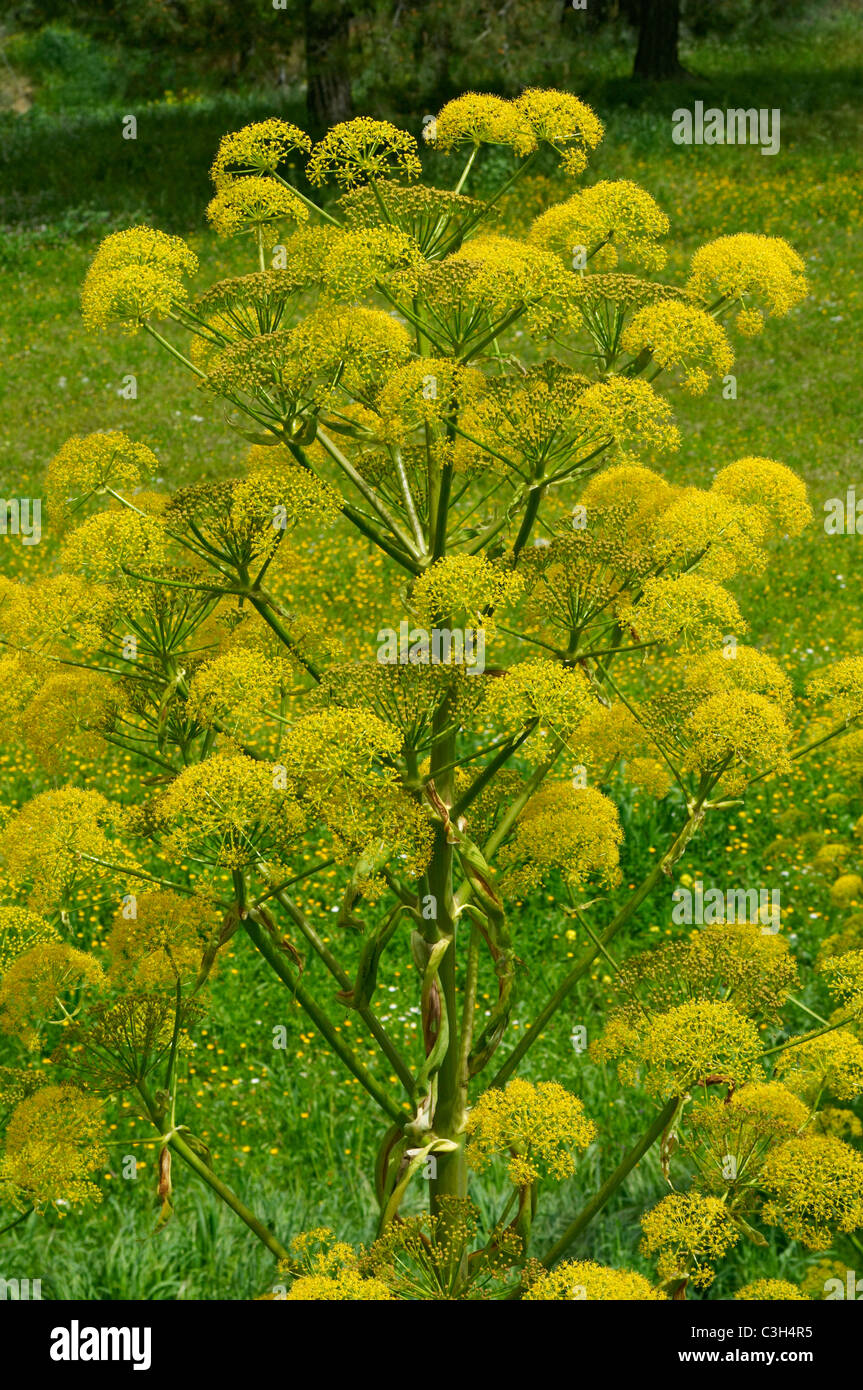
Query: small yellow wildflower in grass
(584,1279)
(135,274)
(681,335)
(257,149)
(688,1233)
(608,220)
(760,273)
(816,1188)
(53,1145)
(770,1290)
(536,1128)
(362,151)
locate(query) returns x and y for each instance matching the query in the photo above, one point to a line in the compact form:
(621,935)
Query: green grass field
(288,1131)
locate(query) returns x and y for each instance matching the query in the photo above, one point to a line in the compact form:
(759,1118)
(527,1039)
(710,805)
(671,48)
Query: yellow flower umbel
(574,830)
(536,1128)
(96,466)
(688,608)
(257,205)
(605,221)
(583,1279)
(761,274)
(842,686)
(362,151)
(562,121)
(683,1047)
(630,415)
(772,487)
(20,930)
(161,942)
(830,1065)
(681,335)
(770,1290)
(463,590)
(477,118)
(257,149)
(34,988)
(327,1270)
(688,1233)
(135,275)
(816,1188)
(53,1144)
(230,811)
(55,844)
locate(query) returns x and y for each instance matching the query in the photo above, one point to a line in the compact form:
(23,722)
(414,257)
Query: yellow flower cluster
(535,1127)
(770,1290)
(509,277)
(561,120)
(766,484)
(231,811)
(135,275)
(688,608)
(605,221)
(55,843)
(157,939)
(251,204)
(426,391)
(842,685)
(556,695)
(683,1046)
(53,1144)
(34,987)
(20,930)
(688,1233)
(681,335)
(464,591)
(831,1064)
(574,830)
(96,465)
(629,414)
(358,258)
(257,149)
(760,273)
(477,118)
(816,1187)
(584,1279)
(363,151)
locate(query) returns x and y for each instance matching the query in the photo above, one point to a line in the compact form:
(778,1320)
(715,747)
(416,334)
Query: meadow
(307,1134)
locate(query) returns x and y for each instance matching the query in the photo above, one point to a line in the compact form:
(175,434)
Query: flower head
(363,150)
(762,274)
(815,1186)
(535,1127)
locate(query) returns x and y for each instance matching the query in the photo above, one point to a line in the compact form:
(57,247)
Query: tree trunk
(659,24)
(327,27)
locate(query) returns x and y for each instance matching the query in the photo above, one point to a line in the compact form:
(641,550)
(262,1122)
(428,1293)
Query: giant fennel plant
(534,617)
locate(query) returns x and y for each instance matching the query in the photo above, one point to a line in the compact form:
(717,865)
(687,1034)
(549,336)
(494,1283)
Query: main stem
(451,1176)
